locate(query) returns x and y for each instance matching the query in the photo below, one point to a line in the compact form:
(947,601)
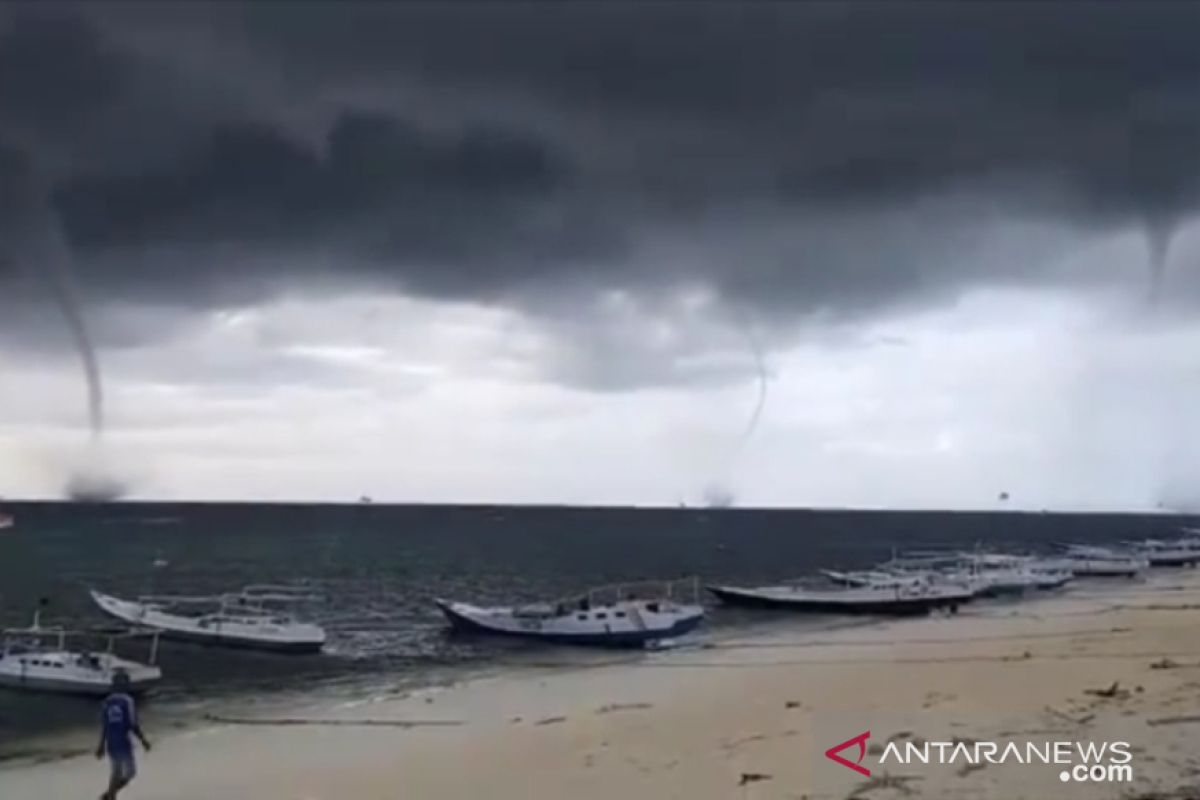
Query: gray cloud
(793,157)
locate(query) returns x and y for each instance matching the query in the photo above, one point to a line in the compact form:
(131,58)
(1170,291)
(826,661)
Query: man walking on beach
(118,719)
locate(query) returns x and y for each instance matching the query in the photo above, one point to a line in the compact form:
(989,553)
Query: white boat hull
(72,673)
(629,624)
(898,601)
(288,637)
(1172,558)
(1103,568)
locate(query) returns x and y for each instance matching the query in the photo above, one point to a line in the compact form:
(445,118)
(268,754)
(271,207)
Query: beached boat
(52,659)
(896,599)
(1087,561)
(861,578)
(987,574)
(1050,573)
(616,616)
(1011,574)
(1175,553)
(242,619)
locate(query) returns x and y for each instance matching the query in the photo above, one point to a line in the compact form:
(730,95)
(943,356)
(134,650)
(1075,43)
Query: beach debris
(550,721)
(736,743)
(1084,720)
(1114,692)
(1173,720)
(885,781)
(514,720)
(792,704)
(753,777)
(968,768)
(909,735)
(350,723)
(611,707)
(1164,663)
(35,756)
(1007,734)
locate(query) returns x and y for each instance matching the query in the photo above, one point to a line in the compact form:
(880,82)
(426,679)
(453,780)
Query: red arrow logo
(861,741)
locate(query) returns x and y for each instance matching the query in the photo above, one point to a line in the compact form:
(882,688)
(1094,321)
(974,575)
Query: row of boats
(914,582)
(54,658)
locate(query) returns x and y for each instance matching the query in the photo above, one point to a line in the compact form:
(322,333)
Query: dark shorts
(123,766)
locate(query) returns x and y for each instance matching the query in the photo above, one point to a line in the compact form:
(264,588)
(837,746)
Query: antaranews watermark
(1081,762)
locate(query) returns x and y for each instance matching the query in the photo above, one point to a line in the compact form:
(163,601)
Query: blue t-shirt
(119,718)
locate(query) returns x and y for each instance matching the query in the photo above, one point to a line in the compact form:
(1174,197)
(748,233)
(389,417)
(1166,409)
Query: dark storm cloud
(377,189)
(825,155)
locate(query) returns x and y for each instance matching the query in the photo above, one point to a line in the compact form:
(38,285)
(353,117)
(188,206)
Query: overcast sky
(552,252)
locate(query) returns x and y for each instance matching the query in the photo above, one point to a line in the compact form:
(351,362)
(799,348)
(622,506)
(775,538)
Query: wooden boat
(53,659)
(618,616)
(1102,562)
(894,599)
(987,574)
(861,578)
(1178,553)
(240,619)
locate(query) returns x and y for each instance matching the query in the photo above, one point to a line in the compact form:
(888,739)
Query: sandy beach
(742,716)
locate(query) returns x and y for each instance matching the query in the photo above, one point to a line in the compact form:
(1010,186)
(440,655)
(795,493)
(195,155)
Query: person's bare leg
(115,785)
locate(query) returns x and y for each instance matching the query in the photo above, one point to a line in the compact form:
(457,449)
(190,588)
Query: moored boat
(1087,561)
(895,599)
(1159,553)
(987,574)
(1013,574)
(240,619)
(620,616)
(861,578)
(52,659)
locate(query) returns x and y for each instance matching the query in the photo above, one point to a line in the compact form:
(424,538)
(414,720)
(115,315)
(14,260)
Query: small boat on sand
(241,619)
(51,659)
(894,599)
(1013,574)
(988,574)
(861,578)
(1159,553)
(617,616)
(1087,561)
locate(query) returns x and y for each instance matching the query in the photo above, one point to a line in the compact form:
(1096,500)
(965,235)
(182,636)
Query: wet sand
(741,718)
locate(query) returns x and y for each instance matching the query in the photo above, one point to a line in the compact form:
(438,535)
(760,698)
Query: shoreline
(178,712)
(741,716)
